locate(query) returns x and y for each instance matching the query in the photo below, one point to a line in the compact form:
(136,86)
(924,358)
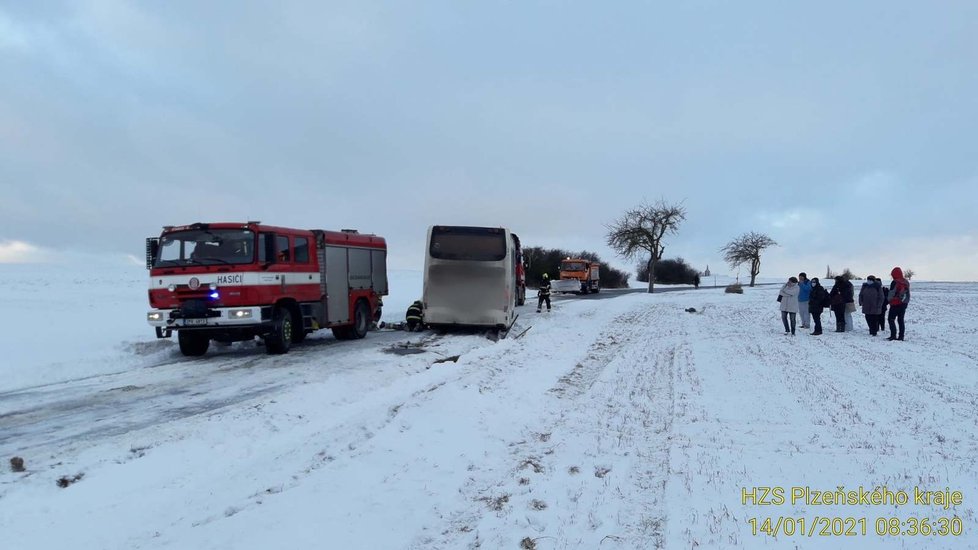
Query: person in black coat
(818,299)
(837,299)
(850,293)
(871,301)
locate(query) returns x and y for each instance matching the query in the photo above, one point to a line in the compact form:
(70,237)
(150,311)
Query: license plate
(195,322)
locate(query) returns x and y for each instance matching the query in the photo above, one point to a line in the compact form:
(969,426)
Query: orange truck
(578,275)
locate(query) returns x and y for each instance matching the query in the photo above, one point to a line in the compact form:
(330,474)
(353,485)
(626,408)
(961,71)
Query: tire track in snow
(593,470)
(703,452)
(354,426)
(579,379)
(84,410)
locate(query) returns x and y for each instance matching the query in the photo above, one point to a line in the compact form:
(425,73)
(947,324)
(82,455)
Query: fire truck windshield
(572,266)
(206,247)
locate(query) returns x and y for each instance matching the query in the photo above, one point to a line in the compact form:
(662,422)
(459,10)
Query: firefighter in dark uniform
(415,317)
(544,293)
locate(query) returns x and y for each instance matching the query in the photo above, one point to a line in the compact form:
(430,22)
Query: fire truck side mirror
(152,249)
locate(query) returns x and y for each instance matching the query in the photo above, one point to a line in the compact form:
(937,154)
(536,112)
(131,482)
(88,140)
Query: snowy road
(167,388)
(614,423)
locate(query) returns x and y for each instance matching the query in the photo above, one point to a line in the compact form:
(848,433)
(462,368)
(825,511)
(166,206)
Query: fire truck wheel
(280,339)
(361,320)
(192,344)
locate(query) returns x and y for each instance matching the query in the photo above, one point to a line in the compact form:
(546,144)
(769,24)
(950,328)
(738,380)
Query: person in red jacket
(899,297)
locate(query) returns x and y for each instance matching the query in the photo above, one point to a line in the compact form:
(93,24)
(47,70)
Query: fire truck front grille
(185,293)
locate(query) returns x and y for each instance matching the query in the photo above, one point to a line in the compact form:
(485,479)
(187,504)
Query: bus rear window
(481,244)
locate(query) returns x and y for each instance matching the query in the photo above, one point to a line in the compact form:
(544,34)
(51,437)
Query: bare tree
(747,248)
(641,230)
(908,274)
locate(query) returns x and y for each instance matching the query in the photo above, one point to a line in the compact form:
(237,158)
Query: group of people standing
(809,299)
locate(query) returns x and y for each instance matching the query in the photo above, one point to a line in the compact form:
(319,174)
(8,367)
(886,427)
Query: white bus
(473,276)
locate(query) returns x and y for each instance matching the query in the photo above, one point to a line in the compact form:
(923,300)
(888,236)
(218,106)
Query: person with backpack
(818,300)
(899,299)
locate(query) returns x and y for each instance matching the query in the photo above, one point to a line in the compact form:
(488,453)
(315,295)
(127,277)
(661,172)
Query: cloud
(794,218)
(119,117)
(20,252)
(944,257)
(875,183)
(939,258)
(12,35)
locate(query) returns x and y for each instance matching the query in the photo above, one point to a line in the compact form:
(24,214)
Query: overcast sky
(845,131)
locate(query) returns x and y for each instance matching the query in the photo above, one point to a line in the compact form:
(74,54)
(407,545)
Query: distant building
(707,272)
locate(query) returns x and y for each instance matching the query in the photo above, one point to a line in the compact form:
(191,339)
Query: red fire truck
(236,281)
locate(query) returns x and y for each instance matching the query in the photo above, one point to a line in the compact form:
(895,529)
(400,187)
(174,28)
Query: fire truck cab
(236,281)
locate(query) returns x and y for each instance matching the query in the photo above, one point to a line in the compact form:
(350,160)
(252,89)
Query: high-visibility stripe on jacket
(414,312)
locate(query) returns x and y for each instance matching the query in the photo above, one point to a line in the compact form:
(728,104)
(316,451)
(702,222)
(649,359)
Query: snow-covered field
(611,423)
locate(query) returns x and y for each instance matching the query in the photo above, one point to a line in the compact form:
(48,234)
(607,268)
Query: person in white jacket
(789,304)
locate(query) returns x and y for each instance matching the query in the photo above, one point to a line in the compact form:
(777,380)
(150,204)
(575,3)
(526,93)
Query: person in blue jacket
(804,291)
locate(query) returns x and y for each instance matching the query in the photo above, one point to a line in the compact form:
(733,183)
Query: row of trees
(671,272)
(848,275)
(642,231)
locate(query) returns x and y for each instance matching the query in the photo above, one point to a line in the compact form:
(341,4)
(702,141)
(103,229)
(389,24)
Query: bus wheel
(192,344)
(361,320)
(280,339)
